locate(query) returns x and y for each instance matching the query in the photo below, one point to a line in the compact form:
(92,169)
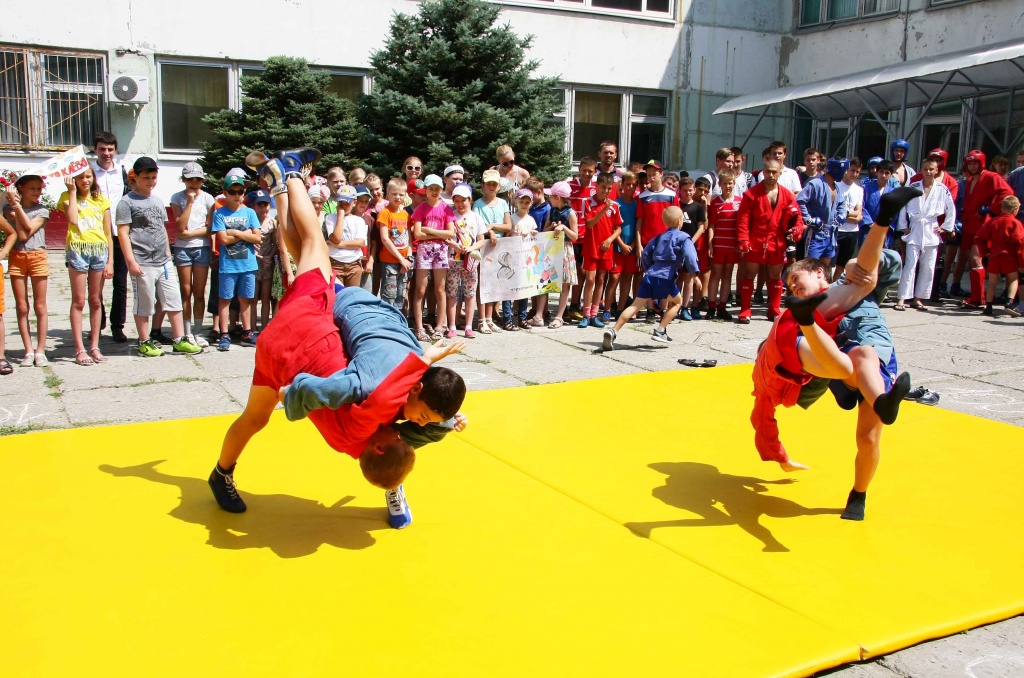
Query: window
(50,99)
(990,131)
(596,117)
(636,121)
(188,93)
(654,8)
(827,11)
(871,140)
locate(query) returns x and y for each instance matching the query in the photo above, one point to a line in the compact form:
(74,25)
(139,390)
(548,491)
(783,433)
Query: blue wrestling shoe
(224,490)
(299,160)
(596,322)
(399,513)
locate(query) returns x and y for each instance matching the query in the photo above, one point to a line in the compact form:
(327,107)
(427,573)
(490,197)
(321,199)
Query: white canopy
(984,70)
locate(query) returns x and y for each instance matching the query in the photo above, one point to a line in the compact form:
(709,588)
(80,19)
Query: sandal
(555,324)
(421,335)
(536,322)
(84,360)
(690,362)
(485,328)
(511,327)
(98,356)
(437,335)
(494,326)
(5,367)
(918,306)
(900,307)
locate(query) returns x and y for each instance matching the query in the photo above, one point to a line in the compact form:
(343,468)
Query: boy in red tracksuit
(1002,240)
(767,221)
(984,191)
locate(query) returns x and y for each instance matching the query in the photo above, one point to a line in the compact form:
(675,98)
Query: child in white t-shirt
(347,239)
(464,257)
(522,225)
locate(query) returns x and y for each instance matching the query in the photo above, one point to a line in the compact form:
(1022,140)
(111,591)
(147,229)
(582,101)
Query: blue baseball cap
(346,194)
(361,191)
(256,197)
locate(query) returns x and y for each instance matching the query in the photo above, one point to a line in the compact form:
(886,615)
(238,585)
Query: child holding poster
(463,267)
(562,220)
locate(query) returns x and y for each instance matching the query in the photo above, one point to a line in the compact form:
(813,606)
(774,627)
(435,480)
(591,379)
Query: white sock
(188,327)
(197,324)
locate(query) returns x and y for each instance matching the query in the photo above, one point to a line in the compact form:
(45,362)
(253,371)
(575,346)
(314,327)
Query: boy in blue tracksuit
(662,258)
(823,209)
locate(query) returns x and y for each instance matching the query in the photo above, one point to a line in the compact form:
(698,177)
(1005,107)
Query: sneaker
(695,313)
(584,322)
(224,490)
(271,171)
(606,317)
(159,337)
(703,306)
(1012,309)
(722,314)
(199,340)
(922,395)
(469,333)
(249,338)
(574,314)
(399,513)
(608,341)
(661,335)
(685,314)
(186,347)
(596,322)
(943,290)
(450,334)
(299,160)
(988,311)
(224,343)
(118,335)
(213,335)
(150,349)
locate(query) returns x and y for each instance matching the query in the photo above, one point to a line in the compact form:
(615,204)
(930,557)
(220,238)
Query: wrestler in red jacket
(984,191)
(767,221)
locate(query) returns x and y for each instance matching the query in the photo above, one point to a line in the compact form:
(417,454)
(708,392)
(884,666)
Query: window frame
(626,117)
(860,15)
(37,116)
(588,7)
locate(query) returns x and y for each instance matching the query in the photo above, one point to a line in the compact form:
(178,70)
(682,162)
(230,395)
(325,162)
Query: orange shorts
(23,264)
(3,307)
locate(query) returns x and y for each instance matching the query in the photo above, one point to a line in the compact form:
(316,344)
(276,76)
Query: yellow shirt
(89,231)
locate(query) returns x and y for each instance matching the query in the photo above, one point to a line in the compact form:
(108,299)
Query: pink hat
(524,193)
(559,188)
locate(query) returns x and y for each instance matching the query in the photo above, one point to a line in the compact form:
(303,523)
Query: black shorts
(846,247)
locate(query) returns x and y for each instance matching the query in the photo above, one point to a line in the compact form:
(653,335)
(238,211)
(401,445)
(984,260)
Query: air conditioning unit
(129,89)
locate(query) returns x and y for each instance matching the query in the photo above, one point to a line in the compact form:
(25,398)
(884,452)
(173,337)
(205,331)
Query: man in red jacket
(767,221)
(984,191)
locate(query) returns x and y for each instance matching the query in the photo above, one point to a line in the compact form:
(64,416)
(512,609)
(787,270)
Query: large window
(50,100)
(188,93)
(636,121)
(827,11)
(191,90)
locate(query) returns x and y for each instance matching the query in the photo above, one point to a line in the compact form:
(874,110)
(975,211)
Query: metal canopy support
(903,109)
(974,118)
(928,106)
(884,123)
(853,128)
(752,129)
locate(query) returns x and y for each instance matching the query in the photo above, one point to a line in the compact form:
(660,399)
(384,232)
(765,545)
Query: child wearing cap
(433,225)
(193,212)
(268,257)
(27,261)
(464,253)
(238,233)
(372,268)
(347,239)
(453,176)
(498,221)
(393,227)
(562,221)
(143,240)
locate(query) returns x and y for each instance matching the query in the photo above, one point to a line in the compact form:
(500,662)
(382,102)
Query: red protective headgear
(976,155)
(940,156)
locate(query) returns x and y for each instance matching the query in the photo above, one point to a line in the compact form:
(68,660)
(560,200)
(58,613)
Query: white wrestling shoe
(399,513)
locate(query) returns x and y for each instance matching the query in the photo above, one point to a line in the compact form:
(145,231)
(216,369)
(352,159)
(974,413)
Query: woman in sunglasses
(508,169)
(412,168)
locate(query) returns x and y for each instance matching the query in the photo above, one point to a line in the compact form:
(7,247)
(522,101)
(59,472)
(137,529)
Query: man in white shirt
(789,178)
(850,190)
(724,159)
(112,179)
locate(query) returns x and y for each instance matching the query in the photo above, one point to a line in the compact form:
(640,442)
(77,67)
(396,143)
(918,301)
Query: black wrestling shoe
(224,490)
(803,309)
(922,395)
(892,202)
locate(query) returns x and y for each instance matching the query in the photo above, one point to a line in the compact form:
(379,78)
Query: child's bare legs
(704,279)
(588,290)
(613,287)
(78,293)
(441,298)
(990,287)
(39,284)
(820,356)
(631,310)
(869,435)
(726,285)
(245,307)
(177,324)
(600,282)
(19,285)
(1011,287)
(687,288)
(303,227)
(540,305)
(265,303)
(95,308)
(419,291)
(261,403)
(563,300)
(714,283)
(671,309)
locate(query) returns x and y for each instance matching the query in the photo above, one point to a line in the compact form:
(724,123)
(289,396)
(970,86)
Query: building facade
(648,74)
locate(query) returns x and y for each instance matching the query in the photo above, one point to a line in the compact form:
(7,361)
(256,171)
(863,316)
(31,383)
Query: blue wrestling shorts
(848,398)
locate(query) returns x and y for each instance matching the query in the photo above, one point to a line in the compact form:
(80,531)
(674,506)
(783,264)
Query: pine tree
(450,87)
(286,105)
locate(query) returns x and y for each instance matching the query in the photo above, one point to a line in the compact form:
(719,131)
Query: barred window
(50,100)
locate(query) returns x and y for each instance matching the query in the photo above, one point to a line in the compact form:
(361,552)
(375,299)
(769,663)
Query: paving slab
(152,402)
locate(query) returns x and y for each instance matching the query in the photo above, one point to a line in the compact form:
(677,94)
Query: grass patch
(53,381)
(151,382)
(16,430)
(532,383)
(481,361)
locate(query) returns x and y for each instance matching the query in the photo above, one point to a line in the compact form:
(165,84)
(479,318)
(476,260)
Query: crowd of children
(416,242)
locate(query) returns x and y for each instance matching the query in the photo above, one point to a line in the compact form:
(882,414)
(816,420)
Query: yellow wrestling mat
(117,561)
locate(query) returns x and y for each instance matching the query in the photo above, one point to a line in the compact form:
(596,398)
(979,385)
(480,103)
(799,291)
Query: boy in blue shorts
(237,229)
(662,258)
(823,209)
